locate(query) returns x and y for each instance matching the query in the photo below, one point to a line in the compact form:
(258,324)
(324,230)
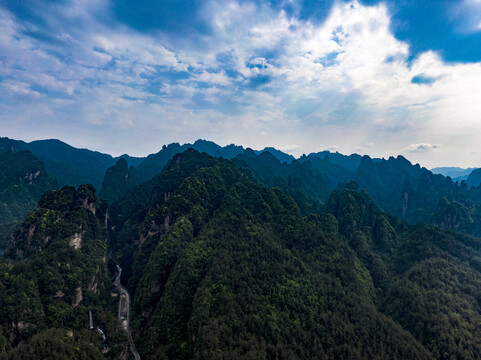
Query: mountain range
(232,253)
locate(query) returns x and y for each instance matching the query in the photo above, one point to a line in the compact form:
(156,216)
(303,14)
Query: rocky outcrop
(30,176)
(59,294)
(78,297)
(75,241)
(94,284)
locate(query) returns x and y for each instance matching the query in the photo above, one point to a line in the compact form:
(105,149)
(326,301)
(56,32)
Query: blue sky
(374,77)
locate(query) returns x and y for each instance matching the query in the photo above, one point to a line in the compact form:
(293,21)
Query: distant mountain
(335,172)
(67,164)
(281,156)
(155,163)
(408,191)
(118,180)
(403,189)
(474,178)
(308,186)
(131,160)
(23,180)
(456,173)
(349,162)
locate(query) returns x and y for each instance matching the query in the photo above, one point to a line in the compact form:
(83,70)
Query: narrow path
(124,312)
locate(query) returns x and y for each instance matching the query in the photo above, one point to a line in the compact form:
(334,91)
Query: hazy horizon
(246,147)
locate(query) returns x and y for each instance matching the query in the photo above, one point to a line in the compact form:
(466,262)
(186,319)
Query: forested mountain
(116,185)
(54,273)
(118,180)
(308,186)
(249,258)
(408,191)
(279,155)
(350,162)
(224,268)
(23,180)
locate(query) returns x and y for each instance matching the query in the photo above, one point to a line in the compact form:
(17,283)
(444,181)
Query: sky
(373,77)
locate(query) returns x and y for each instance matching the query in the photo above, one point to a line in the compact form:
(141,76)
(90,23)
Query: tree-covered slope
(223,268)
(116,184)
(23,179)
(427,280)
(301,180)
(226,269)
(54,273)
(221,265)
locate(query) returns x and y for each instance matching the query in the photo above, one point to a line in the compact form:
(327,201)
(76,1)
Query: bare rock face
(89,206)
(75,241)
(17,328)
(31,230)
(59,294)
(30,176)
(94,284)
(78,297)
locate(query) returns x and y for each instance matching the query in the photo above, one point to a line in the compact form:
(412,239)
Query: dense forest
(241,254)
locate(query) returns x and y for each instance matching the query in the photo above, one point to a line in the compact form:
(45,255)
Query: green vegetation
(250,258)
(54,273)
(23,179)
(222,268)
(56,344)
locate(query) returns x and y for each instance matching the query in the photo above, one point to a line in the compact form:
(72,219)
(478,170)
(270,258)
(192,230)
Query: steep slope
(427,280)
(155,163)
(118,179)
(23,179)
(56,273)
(226,269)
(306,185)
(405,190)
(474,178)
(334,172)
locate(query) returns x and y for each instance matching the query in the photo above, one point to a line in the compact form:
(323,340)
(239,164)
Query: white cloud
(293,148)
(219,78)
(332,148)
(419,148)
(261,74)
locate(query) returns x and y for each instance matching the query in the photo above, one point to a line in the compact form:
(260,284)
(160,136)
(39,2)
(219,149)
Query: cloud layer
(256,73)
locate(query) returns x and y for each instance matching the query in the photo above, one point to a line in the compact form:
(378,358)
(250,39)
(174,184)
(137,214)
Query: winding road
(124,312)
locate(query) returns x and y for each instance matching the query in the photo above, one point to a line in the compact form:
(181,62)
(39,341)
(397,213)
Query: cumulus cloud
(420,148)
(293,148)
(257,72)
